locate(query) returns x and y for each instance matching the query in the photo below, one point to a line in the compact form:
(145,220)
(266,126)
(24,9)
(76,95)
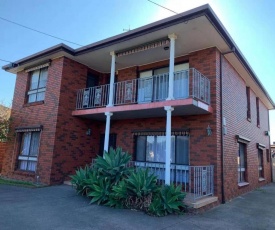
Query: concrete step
(67,182)
(199,203)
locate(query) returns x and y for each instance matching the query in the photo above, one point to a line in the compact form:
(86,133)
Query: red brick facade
(3,147)
(65,146)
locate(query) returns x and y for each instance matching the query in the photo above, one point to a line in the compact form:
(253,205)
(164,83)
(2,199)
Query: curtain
(43,78)
(29,149)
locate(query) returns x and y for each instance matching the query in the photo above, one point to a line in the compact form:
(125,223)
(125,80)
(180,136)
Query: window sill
(249,119)
(242,184)
(261,179)
(33,103)
(24,173)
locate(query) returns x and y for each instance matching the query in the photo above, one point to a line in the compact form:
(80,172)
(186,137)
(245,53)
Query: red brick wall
(34,114)
(235,112)
(73,148)
(3,147)
(64,144)
(204,150)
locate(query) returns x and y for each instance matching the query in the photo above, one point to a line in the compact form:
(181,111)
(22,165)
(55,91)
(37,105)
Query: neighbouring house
(272,147)
(4,122)
(177,94)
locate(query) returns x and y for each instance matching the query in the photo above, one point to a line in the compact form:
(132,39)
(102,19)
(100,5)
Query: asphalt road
(58,207)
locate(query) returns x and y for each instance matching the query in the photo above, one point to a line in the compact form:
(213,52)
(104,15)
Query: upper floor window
(248,103)
(258,111)
(38,83)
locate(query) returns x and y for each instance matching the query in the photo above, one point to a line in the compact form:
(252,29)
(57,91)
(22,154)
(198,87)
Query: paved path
(58,207)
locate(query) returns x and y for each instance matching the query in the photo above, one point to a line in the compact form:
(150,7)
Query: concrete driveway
(58,207)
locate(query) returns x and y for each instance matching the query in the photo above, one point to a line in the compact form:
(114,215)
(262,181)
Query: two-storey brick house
(177,94)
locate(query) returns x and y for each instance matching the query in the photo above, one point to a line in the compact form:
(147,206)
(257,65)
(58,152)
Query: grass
(19,183)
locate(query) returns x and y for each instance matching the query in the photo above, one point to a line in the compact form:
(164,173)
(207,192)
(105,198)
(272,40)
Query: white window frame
(27,157)
(37,90)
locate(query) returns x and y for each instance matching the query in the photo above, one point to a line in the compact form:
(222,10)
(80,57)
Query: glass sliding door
(145,87)
(181,81)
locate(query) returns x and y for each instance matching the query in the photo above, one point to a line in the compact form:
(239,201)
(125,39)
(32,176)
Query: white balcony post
(169,110)
(172,38)
(112,80)
(107,131)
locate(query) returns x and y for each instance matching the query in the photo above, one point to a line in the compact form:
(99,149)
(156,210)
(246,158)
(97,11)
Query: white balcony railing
(187,83)
(198,181)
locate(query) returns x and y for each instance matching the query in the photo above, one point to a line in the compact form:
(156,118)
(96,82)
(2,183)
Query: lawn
(19,183)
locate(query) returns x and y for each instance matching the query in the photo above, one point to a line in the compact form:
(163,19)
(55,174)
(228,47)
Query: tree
(4,122)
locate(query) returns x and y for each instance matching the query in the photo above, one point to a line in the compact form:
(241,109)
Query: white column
(169,110)
(112,79)
(172,38)
(107,131)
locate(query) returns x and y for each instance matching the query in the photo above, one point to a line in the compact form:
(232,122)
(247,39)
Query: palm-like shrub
(169,200)
(79,179)
(136,191)
(100,190)
(113,165)
(111,182)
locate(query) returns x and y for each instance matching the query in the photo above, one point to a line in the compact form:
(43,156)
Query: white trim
(38,67)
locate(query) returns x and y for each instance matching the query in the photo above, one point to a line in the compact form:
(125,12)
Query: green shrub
(113,165)
(141,183)
(118,196)
(99,190)
(168,200)
(111,182)
(79,179)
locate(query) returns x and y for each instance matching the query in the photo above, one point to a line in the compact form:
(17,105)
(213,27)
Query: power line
(38,31)
(162,6)
(5,60)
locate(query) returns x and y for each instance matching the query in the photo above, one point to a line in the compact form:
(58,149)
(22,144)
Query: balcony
(191,88)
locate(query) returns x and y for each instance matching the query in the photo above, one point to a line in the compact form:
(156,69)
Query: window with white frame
(27,159)
(260,163)
(153,149)
(242,166)
(38,83)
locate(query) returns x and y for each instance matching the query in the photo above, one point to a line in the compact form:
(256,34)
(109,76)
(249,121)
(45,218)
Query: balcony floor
(183,107)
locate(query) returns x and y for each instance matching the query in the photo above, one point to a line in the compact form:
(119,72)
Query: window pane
(32,98)
(150,148)
(34,80)
(40,96)
(23,165)
(34,144)
(242,157)
(161,70)
(31,165)
(182,150)
(160,149)
(43,78)
(173,141)
(141,147)
(25,144)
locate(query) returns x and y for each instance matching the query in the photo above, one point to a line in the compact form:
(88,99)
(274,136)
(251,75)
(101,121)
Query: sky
(249,22)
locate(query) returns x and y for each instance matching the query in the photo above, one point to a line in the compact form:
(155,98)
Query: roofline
(41,54)
(205,10)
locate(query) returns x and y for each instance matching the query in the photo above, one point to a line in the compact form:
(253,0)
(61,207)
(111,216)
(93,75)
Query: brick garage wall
(3,148)
(73,148)
(235,112)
